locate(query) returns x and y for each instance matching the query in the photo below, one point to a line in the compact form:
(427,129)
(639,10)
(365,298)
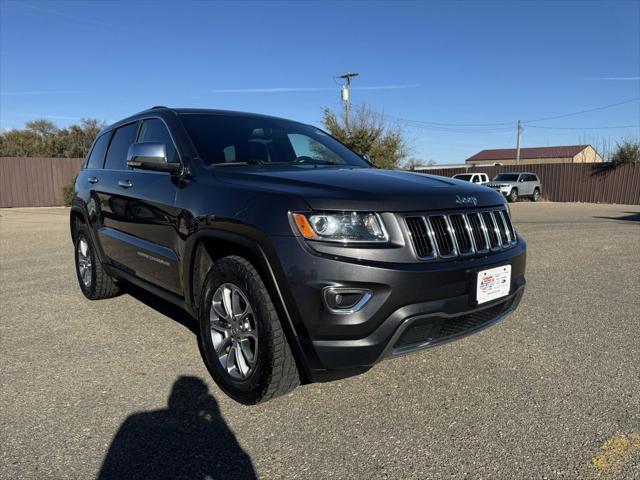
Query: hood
(363,188)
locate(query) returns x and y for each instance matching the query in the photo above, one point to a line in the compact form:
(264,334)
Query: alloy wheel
(84,262)
(234,331)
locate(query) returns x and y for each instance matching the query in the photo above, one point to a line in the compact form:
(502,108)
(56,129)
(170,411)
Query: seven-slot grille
(461,234)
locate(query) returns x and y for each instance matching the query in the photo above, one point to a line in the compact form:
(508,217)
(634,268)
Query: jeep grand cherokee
(299,259)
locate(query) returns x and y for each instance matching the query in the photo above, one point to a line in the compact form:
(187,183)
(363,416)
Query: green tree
(41,138)
(627,152)
(366,132)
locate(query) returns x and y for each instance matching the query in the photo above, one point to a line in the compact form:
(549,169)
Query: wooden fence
(38,182)
(35,182)
(573,182)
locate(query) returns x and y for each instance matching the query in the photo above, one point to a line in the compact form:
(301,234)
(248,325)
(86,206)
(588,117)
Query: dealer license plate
(493,283)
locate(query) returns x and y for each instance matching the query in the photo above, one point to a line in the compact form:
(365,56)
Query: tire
(94,282)
(513,196)
(536,195)
(267,368)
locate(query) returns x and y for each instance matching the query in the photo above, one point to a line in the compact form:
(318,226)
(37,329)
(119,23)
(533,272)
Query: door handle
(93,180)
(125,183)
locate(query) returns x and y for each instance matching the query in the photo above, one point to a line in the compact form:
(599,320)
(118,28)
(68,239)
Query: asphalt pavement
(117,389)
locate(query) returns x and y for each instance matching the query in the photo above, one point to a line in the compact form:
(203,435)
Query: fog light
(344,300)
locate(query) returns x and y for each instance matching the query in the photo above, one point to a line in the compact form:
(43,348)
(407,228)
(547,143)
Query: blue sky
(446,64)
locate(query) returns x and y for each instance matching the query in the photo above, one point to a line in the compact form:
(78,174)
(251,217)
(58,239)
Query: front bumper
(409,300)
(503,190)
(427,325)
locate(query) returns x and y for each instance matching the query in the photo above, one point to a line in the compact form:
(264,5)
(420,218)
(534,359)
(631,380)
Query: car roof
(181,111)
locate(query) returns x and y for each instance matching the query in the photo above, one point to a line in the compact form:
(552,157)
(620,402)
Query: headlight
(341,227)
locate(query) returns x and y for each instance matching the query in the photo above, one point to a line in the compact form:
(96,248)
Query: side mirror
(521,180)
(150,156)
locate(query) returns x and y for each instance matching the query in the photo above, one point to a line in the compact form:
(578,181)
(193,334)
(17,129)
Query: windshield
(506,177)
(231,139)
(463,176)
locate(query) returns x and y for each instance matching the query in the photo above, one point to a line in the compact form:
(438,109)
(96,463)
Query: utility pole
(519,128)
(346,92)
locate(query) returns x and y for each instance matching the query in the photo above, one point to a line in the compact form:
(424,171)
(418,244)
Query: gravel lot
(553,392)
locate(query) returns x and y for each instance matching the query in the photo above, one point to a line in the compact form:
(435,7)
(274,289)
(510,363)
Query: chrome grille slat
(467,225)
(458,234)
(491,230)
(506,234)
(481,234)
(497,229)
(452,235)
(443,236)
(512,231)
(463,237)
(420,236)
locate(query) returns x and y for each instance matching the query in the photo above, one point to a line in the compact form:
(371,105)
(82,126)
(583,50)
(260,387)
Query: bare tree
(368,133)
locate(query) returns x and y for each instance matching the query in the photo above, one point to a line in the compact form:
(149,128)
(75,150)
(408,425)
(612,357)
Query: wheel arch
(76,217)
(204,247)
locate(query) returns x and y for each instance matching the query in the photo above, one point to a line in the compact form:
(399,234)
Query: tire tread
(281,372)
(103,286)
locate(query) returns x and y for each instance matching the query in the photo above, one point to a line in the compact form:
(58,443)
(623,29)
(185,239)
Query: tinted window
(122,140)
(305,146)
(226,138)
(506,177)
(476,179)
(154,130)
(96,157)
(462,176)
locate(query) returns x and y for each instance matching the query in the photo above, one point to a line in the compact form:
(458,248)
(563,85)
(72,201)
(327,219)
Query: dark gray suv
(300,261)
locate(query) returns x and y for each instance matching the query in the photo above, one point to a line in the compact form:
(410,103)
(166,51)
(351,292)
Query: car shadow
(187,440)
(629,217)
(162,306)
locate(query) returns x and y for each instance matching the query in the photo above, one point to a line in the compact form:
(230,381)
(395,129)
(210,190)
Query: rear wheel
(536,195)
(513,195)
(242,340)
(94,282)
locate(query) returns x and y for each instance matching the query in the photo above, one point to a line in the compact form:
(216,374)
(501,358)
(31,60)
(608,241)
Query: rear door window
(96,157)
(154,130)
(122,140)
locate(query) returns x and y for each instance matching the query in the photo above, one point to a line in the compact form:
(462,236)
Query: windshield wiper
(238,164)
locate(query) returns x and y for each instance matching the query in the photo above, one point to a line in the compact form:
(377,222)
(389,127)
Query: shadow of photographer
(188,439)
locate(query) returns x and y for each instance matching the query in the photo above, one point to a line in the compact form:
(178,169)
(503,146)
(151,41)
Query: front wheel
(243,344)
(513,195)
(536,195)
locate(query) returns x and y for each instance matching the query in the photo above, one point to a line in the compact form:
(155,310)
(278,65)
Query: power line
(585,111)
(441,126)
(583,128)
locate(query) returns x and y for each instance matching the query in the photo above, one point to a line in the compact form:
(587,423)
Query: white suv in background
(480,178)
(517,184)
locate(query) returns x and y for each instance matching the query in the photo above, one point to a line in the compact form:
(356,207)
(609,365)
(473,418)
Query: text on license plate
(493,283)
